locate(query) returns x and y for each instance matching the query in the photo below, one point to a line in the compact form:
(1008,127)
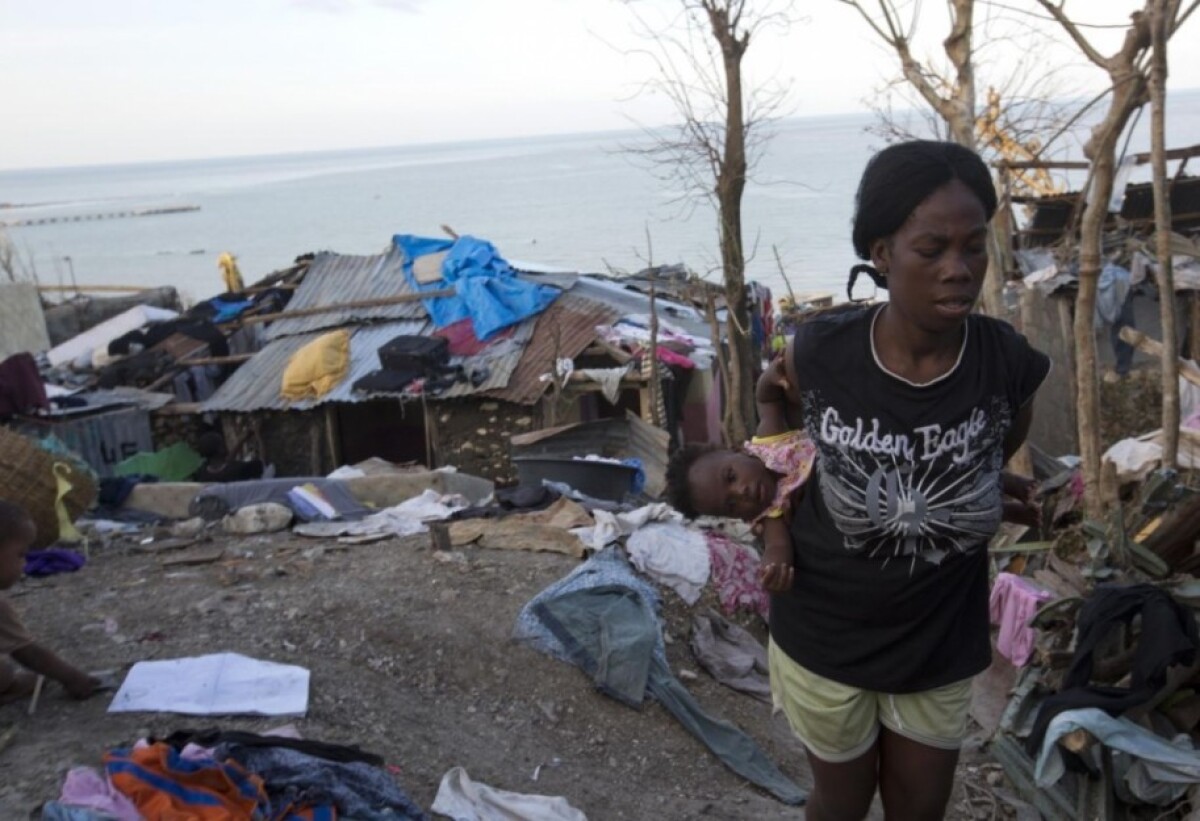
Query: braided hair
(897,180)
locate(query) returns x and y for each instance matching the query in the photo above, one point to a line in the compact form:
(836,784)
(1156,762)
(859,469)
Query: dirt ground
(411,658)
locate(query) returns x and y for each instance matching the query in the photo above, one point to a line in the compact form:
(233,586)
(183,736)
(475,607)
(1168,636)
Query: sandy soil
(410,657)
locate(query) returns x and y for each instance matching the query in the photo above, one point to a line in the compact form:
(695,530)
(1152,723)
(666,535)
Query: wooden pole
(1162,232)
(381,302)
(232,359)
(335,451)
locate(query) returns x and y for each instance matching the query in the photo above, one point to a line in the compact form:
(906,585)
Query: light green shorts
(838,723)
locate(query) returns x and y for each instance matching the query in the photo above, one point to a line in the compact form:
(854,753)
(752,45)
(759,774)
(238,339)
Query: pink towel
(1015,601)
(735,575)
(85,787)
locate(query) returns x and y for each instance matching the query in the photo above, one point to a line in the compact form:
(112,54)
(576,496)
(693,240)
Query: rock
(688,675)
(489,407)
(188,529)
(265,518)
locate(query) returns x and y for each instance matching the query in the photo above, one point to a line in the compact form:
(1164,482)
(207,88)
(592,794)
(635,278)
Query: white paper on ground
(217,684)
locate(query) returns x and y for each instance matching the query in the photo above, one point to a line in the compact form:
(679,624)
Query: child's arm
(43,661)
(770,395)
(776,572)
(1020,502)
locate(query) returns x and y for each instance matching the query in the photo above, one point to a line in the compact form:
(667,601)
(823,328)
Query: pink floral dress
(790,454)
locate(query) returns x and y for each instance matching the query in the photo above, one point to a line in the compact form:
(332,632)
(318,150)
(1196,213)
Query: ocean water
(579,202)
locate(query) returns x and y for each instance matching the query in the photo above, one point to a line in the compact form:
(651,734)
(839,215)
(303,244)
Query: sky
(124,81)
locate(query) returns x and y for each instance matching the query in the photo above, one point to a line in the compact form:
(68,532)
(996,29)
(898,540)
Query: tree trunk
(1128,94)
(1162,225)
(730,185)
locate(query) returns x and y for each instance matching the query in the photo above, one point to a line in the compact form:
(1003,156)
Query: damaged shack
(580,357)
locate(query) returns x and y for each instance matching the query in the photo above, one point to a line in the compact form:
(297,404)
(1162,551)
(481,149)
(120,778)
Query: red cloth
(462,339)
(21,386)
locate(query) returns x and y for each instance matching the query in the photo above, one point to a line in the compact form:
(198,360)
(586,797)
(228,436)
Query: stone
(188,529)
(265,518)
(489,407)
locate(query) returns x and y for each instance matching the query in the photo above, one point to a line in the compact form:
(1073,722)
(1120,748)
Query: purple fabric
(52,560)
(86,788)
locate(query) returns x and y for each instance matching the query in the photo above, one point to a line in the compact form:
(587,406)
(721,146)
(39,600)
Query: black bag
(425,354)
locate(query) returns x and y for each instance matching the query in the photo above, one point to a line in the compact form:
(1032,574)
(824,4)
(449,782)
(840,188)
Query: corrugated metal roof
(338,278)
(562,330)
(500,359)
(255,385)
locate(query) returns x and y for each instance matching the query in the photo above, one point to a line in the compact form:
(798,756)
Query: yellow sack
(231,277)
(317,368)
(66,528)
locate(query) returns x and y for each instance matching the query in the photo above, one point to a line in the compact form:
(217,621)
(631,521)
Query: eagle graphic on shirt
(925,493)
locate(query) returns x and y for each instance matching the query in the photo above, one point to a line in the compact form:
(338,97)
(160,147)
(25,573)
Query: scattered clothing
(1160,772)
(114,490)
(213,738)
(405,519)
(791,455)
(52,561)
(317,367)
(603,618)
(1168,637)
(176,463)
(462,340)
(162,784)
(21,386)
(611,527)
(609,380)
(731,655)
(735,575)
(462,799)
(1013,604)
(88,789)
(672,554)
(356,789)
(57,811)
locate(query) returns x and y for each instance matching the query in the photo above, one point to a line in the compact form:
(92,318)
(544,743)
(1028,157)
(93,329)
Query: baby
(17,533)
(757,484)
(762,482)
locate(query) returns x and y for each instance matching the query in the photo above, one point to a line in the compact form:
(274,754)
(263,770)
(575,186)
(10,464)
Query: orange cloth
(166,787)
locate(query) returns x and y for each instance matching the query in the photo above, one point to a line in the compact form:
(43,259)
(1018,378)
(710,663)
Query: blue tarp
(486,288)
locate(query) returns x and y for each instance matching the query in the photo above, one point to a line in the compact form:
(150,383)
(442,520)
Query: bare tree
(1128,92)
(1019,114)
(1161,12)
(699,68)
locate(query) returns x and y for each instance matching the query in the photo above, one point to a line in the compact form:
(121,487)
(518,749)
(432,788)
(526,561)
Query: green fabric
(174,464)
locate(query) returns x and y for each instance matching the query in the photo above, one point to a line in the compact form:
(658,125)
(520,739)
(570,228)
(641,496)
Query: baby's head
(210,446)
(704,480)
(17,533)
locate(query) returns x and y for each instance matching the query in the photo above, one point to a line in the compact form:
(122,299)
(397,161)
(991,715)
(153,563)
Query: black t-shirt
(891,584)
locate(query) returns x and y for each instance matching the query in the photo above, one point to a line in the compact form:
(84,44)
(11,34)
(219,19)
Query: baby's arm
(42,660)
(1020,502)
(776,572)
(770,395)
